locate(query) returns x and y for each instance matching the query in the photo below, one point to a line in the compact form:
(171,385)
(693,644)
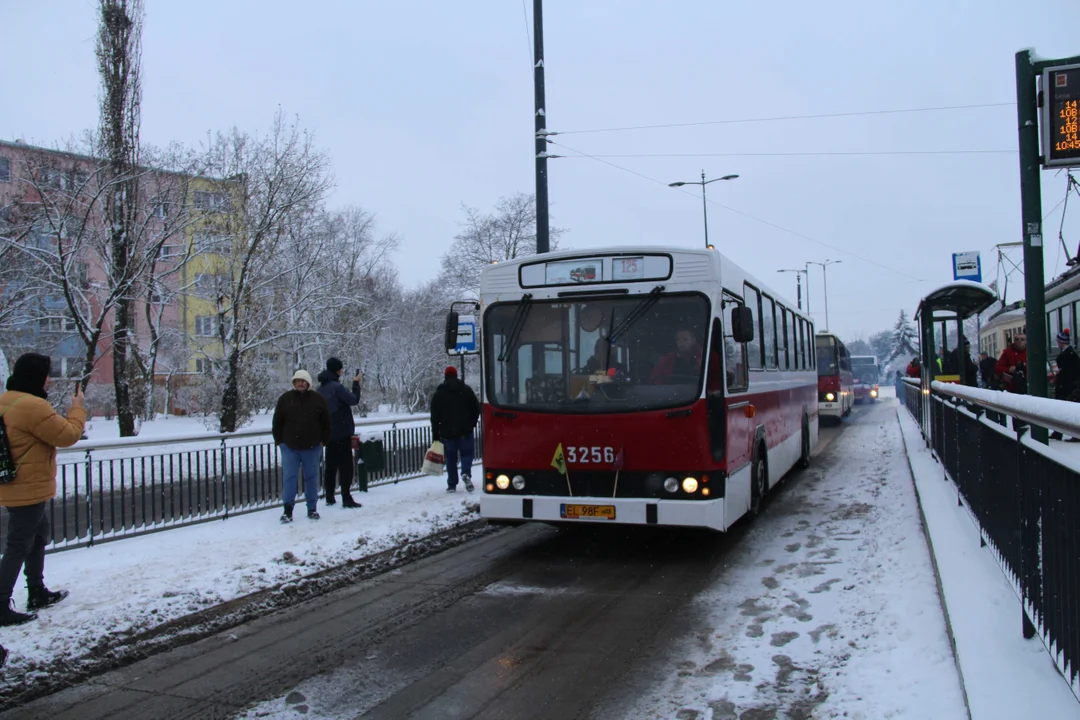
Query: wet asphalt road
(531,622)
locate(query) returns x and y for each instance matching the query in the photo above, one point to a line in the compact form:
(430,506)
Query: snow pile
(1005,675)
(831,610)
(129,586)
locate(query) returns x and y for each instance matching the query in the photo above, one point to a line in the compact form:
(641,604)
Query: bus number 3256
(590,455)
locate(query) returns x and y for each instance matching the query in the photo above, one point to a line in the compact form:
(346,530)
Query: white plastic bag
(434,459)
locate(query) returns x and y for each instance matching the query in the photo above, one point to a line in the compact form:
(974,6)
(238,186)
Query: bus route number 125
(590,455)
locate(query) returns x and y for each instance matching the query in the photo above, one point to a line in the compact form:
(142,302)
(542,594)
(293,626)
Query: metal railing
(1023,495)
(121,488)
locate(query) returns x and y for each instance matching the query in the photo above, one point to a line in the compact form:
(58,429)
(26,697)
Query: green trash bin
(369,458)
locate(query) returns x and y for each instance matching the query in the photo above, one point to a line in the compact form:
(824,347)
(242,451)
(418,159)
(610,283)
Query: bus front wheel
(759,479)
(804,458)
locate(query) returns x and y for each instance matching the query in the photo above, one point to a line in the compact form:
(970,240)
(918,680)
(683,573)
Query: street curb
(933,561)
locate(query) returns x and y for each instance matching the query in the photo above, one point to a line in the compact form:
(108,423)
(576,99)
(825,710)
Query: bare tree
(119,54)
(507,233)
(271,184)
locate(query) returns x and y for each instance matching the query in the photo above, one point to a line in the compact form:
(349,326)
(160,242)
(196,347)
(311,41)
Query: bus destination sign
(1061,116)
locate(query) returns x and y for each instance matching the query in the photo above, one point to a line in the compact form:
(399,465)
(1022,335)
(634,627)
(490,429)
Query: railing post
(89,499)
(224,481)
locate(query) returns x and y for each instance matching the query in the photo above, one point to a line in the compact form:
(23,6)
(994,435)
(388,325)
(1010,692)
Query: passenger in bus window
(683,364)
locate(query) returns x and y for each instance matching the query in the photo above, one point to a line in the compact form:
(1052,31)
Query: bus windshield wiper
(638,312)
(516,327)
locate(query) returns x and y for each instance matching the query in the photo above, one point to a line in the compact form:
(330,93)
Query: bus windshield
(828,356)
(865,368)
(597,356)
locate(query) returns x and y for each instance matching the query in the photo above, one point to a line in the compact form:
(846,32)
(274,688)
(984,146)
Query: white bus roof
(732,275)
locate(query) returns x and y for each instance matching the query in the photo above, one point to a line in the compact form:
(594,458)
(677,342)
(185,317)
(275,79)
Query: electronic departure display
(1061,116)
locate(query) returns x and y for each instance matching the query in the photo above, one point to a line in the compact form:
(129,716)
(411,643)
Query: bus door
(732,432)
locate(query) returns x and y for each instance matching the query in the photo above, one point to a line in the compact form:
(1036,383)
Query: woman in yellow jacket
(34,432)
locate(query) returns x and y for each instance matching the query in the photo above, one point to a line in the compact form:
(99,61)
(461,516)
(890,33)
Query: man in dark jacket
(339,451)
(301,428)
(1067,379)
(961,358)
(454,413)
(986,371)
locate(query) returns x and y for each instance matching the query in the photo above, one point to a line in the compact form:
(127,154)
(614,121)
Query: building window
(203,365)
(82,275)
(56,324)
(207,242)
(205,326)
(169,252)
(5,169)
(211,201)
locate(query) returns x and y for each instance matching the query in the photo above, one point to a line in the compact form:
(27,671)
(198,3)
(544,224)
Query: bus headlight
(671,485)
(519,482)
(829,397)
(690,485)
(873,393)
(502,482)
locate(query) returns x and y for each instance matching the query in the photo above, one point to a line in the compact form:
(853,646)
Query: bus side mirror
(450,336)
(742,324)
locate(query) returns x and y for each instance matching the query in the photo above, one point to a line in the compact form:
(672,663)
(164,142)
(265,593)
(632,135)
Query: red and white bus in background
(671,388)
(836,392)
(864,368)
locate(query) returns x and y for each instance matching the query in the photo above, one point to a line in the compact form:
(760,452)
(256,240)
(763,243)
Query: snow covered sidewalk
(828,606)
(124,588)
(1005,675)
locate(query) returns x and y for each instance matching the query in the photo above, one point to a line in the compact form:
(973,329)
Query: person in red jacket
(914,368)
(1012,360)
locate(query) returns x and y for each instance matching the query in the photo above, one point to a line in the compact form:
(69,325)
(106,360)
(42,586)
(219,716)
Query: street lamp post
(798,280)
(825,281)
(704,202)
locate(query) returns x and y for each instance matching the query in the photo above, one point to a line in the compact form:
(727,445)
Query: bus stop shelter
(949,304)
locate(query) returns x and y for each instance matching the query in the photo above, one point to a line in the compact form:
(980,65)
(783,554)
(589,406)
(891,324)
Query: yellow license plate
(574,512)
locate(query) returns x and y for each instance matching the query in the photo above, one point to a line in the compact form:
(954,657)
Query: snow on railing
(1059,415)
(211,437)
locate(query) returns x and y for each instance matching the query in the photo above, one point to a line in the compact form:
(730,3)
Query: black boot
(10,616)
(42,597)
(347,501)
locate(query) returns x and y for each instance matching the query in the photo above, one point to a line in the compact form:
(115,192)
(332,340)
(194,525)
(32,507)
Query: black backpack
(8,466)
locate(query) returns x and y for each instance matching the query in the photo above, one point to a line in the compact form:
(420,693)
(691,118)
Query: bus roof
(732,275)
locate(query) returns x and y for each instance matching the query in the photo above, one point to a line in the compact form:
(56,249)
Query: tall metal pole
(798,288)
(705,208)
(825,284)
(1027,121)
(807,266)
(543,243)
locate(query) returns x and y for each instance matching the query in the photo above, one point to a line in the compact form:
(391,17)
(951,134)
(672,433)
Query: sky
(425,106)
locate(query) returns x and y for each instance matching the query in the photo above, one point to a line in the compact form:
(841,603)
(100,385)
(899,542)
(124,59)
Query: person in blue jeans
(454,414)
(301,427)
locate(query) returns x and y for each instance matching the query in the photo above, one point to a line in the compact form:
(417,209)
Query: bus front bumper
(604,511)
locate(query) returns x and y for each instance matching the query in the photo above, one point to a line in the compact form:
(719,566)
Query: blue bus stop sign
(466,336)
(967,266)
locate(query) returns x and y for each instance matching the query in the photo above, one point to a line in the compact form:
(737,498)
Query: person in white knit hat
(301,429)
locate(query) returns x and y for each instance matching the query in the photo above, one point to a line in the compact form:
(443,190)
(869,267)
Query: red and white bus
(864,369)
(836,383)
(670,388)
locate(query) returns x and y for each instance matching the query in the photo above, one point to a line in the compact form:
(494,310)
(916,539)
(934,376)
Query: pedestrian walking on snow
(301,428)
(34,431)
(339,460)
(454,414)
